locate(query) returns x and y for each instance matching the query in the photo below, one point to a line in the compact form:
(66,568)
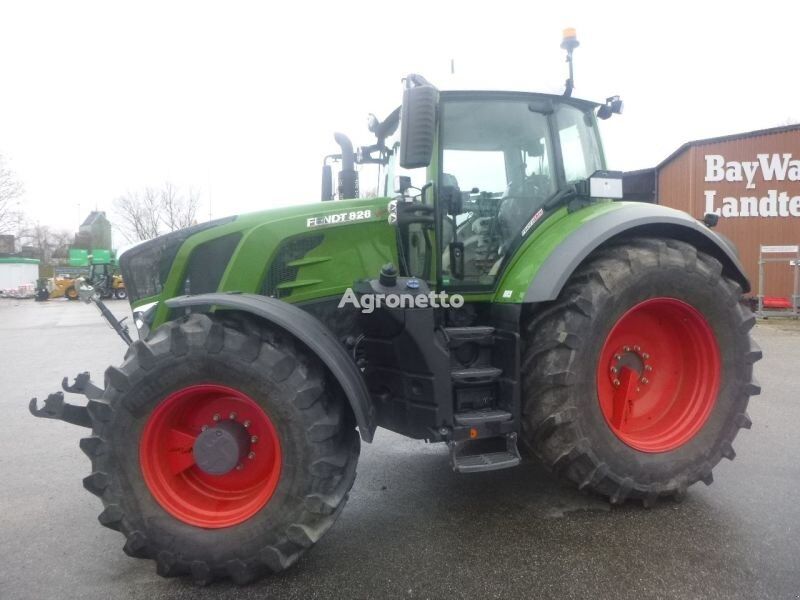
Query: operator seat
(520,202)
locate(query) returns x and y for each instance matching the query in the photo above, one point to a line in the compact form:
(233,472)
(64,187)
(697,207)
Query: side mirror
(327,183)
(402,183)
(417,122)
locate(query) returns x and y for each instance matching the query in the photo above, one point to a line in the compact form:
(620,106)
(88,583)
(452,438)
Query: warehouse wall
(687,181)
(13,275)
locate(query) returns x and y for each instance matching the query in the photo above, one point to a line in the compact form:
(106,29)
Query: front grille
(146,271)
(207,264)
(280,271)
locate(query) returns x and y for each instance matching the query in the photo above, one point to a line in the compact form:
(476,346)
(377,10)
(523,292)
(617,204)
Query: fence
(773,307)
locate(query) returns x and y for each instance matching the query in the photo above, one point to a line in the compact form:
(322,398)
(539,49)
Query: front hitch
(88,294)
(55,407)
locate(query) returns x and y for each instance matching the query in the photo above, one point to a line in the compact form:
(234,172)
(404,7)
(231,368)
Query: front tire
(638,376)
(196,513)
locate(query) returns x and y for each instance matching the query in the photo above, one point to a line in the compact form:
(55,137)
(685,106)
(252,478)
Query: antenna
(569,43)
(452,66)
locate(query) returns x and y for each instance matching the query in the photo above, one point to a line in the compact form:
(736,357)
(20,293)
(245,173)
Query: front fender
(545,264)
(308,330)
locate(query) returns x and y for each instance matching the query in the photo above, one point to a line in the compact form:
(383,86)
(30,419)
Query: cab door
(497,171)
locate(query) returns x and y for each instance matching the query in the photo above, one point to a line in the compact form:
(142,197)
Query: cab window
(496,154)
(579,149)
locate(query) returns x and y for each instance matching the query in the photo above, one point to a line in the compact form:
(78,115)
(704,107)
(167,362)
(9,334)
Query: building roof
(94,216)
(727,138)
(19,260)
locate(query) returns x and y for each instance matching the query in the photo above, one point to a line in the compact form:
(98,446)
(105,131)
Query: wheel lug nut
(616,383)
(254,439)
(216,417)
(636,348)
(232,416)
(239,467)
(617,357)
(645,356)
(614,369)
(204,427)
(645,380)
(251,455)
(247,423)
(627,348)
(648,368)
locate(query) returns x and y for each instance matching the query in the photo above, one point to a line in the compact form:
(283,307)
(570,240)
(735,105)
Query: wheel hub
(220,449)
(634,362)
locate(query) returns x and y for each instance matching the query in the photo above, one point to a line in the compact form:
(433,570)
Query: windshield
(498,155)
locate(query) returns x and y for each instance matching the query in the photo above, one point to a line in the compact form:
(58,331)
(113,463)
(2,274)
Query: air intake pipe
(348,176)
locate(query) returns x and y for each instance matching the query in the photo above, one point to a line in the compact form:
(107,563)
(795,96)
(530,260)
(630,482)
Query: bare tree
(140,213)
(61,240)
(10,190)
(150,212)
(39,237)
(178,211)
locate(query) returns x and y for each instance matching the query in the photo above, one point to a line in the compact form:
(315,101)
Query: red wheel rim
(180,486)
(658,375)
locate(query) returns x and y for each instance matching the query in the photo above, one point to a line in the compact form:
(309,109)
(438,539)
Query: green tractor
(499,297)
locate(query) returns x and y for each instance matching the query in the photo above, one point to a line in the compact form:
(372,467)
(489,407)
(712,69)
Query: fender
(311,332)
(578,234)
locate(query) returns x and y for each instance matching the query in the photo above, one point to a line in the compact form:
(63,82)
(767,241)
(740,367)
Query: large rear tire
(637,378)
(193,511)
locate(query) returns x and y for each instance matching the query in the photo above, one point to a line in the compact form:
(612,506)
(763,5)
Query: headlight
(143,317)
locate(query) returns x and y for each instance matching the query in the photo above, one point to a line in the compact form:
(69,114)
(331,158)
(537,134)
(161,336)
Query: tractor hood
(296,253)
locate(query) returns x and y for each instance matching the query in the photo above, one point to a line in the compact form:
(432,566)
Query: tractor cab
(472,173)
(499,163)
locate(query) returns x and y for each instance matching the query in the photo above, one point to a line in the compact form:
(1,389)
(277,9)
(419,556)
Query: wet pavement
(412,528)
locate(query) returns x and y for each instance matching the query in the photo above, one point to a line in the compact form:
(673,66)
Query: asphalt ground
(412,528)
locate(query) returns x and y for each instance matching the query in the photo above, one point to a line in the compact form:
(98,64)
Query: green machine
(99,269)
(500,297)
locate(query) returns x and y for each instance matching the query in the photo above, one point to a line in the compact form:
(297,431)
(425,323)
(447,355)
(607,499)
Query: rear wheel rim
(168,448)
(658,375)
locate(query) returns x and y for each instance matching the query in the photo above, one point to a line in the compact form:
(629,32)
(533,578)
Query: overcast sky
(240,100)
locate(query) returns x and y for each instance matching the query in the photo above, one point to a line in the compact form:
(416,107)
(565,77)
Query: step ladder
(484,439)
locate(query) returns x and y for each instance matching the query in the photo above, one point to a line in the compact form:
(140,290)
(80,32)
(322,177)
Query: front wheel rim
(169,454)
(658,375)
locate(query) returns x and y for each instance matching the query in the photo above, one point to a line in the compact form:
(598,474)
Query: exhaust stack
(348,176)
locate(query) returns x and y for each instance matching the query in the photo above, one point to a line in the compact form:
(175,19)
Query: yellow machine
(62,286)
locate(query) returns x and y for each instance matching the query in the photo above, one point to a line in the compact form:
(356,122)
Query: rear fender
(309,331)
(545,265)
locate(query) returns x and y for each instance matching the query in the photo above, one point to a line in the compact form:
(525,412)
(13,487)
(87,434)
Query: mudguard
(553,259)
(308,330)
